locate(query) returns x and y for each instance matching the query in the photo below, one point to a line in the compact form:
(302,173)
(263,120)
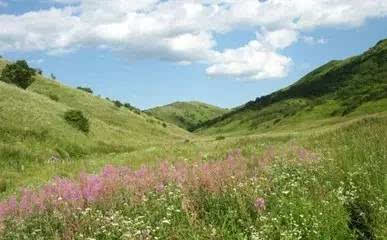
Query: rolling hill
(306,162)
(33,131)
(333,93)
(186,114)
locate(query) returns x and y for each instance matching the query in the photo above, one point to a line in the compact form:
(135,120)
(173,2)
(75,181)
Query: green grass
(186,114)
(322,174)
(328,185)
(35,135)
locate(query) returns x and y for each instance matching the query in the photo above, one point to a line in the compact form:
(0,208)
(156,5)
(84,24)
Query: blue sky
(224,60)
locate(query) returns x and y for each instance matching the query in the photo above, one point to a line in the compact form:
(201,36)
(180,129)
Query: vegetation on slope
(34,132)
(332,91)
(325,186)
(325,182)
(186,115)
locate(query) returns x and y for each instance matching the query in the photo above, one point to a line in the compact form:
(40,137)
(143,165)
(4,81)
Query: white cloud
(257,60)
(183,31)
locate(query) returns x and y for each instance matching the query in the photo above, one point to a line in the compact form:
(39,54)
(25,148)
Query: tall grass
(334,187)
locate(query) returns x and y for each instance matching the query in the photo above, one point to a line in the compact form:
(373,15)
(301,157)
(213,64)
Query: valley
(306,162)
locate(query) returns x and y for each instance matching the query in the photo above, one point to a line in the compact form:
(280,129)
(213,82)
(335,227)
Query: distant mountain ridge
(186,115)
(340,87)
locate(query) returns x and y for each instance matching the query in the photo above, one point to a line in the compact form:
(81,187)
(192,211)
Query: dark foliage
(118,103)
(132,108)
(85,89)
(219,138)
(53,97)
(19,74)
(78,120)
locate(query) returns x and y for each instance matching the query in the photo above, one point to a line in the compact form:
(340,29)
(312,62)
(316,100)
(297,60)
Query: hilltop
(186,114)
(332,93)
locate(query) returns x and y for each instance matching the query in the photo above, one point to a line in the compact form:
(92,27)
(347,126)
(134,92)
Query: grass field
(283,168)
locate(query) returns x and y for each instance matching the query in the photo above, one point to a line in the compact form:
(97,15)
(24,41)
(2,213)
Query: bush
(165,125)
(19,74)
(85,89)
(53,97)
(219,138)
(117,103)
(133,109)
(76,118)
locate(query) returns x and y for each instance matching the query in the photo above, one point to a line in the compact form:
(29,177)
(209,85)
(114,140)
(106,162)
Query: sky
(154,52)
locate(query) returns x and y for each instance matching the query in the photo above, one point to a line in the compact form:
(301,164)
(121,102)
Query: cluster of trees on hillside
(119,104)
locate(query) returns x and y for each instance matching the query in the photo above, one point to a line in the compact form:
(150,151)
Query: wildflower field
(330,185)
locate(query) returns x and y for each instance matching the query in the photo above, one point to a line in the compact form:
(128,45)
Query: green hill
(186,114)
(333,93)
(34,133)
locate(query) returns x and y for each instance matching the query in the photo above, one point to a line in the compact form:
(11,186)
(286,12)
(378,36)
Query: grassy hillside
(186,114)
(302,163)
(33,131)
(333,93)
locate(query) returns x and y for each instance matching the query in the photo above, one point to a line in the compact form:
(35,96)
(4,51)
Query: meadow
(305,162)
(315,185)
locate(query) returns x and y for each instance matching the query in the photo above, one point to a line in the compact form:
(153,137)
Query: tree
(117,103)
(19,74)
(53,76)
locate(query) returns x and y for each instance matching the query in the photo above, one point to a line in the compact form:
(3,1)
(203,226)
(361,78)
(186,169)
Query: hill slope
(33,130)
(332,93)
(186,114)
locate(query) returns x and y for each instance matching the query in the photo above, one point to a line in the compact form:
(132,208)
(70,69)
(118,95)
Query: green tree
(19,74)
(117,103)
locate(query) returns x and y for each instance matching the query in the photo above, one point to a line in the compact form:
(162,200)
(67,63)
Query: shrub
(165,125)
(76,118)
(19,74)
(133,109)
(117,103)
(219,138)
(85,89)
(53,97)
(53,76)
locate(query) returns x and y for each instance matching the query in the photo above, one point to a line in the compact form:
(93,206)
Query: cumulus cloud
(184,31)
(254,61)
